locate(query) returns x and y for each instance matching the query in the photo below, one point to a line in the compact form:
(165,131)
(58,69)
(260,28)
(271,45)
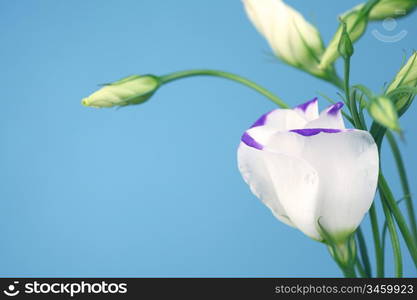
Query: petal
(253,169)
(347,165)
(257,137)
(331,117)
(309,110)
(281,119)
(296,186)
(349,174)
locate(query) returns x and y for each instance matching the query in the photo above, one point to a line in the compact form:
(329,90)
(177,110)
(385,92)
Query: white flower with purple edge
(308,168)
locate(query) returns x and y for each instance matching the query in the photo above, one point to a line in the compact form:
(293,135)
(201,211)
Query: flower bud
(291,37)
(384,112)
(356,22)
(392,9)
(130,90)
(345,46)
(406,77)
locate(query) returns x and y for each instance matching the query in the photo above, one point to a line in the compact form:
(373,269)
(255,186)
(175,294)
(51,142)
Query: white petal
(281,120)
(309,110)
(347,166)
(296,186)
(331,117)
(253,169)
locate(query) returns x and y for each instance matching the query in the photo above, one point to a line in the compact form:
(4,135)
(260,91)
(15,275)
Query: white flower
(291,37)
(308,168)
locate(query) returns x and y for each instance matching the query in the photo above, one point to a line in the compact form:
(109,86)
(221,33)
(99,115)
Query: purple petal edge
(305,106)
(250,141)
(335,108)
(315,131)
(261,121)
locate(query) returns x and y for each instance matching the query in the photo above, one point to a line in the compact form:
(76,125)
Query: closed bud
(292,38)
(356,22)
(130,90)
(405,78)
(384,112)
(345,46)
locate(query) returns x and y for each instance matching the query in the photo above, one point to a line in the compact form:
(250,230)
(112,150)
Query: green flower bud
(405,78)
(392,9)
(356,22)
(345,46)
(130,90)
(384,112)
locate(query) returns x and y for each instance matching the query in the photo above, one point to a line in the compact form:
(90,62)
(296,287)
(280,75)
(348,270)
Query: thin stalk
(364,253)
(399,218)
(336,81)
(351,101)
(361,269)
(404,182)
(346,81)
(204,72)
(394,239)
(379,255)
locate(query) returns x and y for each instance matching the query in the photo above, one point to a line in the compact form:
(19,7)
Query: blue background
(154,190)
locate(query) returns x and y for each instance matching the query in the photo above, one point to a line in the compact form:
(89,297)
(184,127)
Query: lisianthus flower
(310,170)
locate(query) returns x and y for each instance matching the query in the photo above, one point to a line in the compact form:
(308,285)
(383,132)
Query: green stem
(394,238)
(203,72)
(404,182)
(346,82)
(364,253)
(351,101)
(361,269)
(377,242)
(335,80)
(399,218)
(349,272)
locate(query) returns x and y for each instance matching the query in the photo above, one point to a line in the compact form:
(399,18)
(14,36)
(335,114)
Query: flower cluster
(311,171)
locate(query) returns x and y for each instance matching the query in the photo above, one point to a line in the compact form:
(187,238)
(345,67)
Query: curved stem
(205,72)
(364,253)
(361,269)
(399,218)
(394,238)
(335,80)
(404,182)
(377,241)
